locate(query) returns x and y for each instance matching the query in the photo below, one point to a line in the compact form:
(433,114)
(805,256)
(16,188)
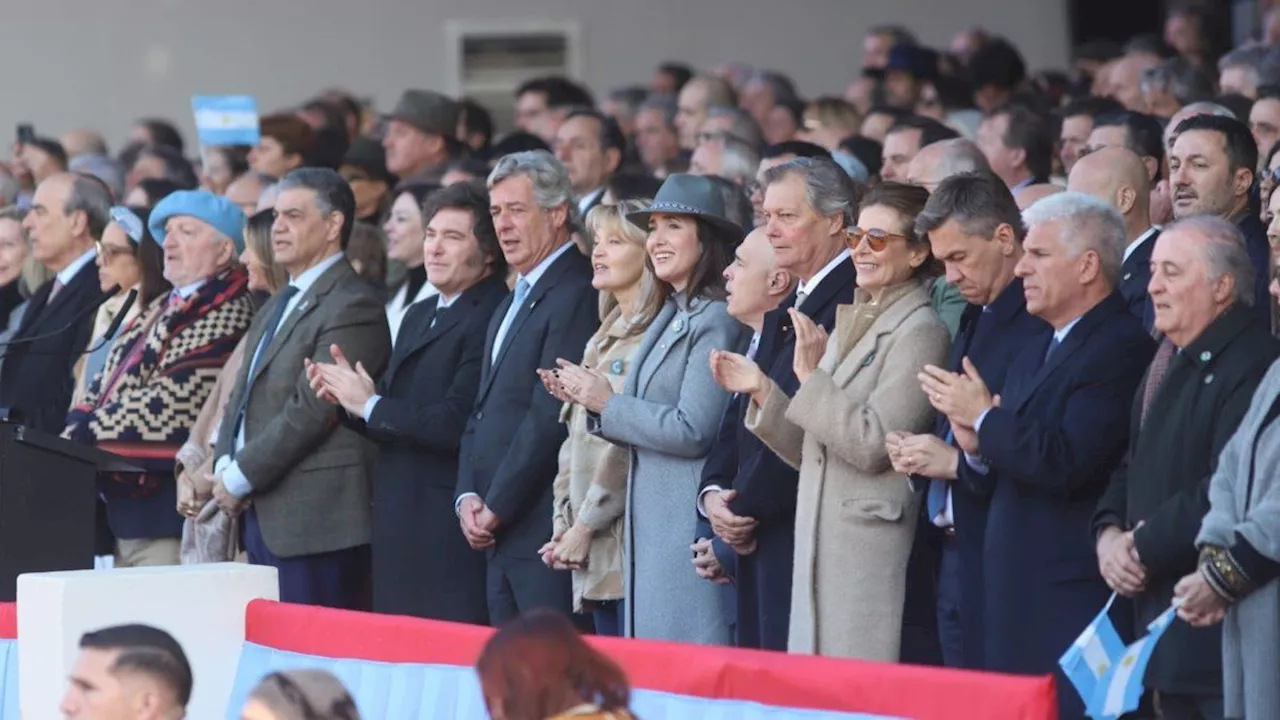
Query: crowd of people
(867,376)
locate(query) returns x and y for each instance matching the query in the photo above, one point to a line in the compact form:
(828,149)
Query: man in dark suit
(994,329)
(68,214)
(422,566)
(1018,145)
(590,146)
(755,510)
(1199,386)
(509,450)
(279,445)
(1118,177)
(1211,172)
(1058,430)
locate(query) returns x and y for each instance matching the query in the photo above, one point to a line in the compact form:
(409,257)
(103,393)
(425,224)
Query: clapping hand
(962,398)
(340,383)
(584,386)
(737,373)
(551,381)
(811,345)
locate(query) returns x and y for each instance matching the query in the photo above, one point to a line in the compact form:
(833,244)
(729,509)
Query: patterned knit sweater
(144,402)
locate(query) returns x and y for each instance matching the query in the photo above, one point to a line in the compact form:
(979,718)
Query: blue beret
(219,212)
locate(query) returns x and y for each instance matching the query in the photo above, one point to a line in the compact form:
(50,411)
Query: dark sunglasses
(876,239)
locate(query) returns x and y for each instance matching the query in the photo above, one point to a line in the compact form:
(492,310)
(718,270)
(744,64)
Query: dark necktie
(277,314)
(1155,376)
(439,313)
(1054,344)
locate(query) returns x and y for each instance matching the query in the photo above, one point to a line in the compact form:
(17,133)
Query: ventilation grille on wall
(491,62)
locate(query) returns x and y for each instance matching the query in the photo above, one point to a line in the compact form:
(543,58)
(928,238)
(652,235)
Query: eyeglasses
(110,252)
(876,239)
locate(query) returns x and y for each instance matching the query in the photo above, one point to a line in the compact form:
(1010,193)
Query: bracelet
(1224,574)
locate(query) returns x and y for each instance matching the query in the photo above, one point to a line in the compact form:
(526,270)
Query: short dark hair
(893,112)
(473,197)
(1091,105)
(162,132)
(867,151)
(979,202)
(147,650)
(237,157)
(1241,148)
(931,131)
(333,194)
(561,92)
(1239,105)
(53,149)
(1143,133)
(610,135)
(476,119)
(518,142)
(177,169)
(157,189)
(475,167)
(997,63)
(633,186)
(1028,130)
(799,148)
(679,72)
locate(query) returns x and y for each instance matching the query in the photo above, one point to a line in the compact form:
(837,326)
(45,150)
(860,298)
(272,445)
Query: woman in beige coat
(855,517)
(591,486)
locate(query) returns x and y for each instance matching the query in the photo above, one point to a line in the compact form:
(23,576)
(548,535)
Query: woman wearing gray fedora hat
(669,412)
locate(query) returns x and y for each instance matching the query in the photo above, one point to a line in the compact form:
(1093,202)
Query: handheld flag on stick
(1093,654)
(1120,690)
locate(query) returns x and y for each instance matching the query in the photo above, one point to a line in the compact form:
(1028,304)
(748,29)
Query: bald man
(1031,194)
(1120,178)
(938,161)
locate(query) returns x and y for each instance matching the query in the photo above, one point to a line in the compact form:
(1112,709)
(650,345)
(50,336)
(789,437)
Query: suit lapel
(1075,340)
(310,299)
(491,334)
(648,343)
(417,339)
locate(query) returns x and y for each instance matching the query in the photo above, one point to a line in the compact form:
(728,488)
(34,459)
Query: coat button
(480,415)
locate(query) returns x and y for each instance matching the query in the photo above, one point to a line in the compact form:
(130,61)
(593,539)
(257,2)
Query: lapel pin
(678,326)
(1128,275)
(1208,378)
(1206,356)
(616,367)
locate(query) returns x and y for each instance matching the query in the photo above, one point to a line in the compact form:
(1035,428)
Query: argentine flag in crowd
(1107,674)
(226,119)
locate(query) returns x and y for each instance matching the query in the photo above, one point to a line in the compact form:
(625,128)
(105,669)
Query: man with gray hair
(808,205)
(1174,84)
(1243,70)
(726,156)
(764,91)
(732,121)
(507,461)
(1051,439)
(68,214)
(940,160)
(1212,356)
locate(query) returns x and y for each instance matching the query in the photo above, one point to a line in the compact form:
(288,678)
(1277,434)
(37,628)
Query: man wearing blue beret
(161,369)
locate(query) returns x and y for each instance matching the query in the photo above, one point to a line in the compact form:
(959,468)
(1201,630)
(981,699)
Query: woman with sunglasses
(855,517)
(128,258)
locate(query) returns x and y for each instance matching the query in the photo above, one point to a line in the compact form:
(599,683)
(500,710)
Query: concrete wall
(100,64)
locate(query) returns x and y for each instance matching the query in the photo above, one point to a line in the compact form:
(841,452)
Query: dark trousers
(1165,706)
(950,626)
(609,618)
(335,579)
(517,585)
(764,589)
(920,602)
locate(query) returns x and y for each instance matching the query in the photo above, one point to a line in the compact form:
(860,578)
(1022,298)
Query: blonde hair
(834,112)
(34,273)
(606,220)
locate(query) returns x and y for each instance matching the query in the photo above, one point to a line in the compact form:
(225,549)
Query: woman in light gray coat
(1239,542)
(669,412)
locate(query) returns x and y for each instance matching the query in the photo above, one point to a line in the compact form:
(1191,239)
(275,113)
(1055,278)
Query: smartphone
(26,133)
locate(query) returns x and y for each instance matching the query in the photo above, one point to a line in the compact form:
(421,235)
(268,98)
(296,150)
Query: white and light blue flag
(226,119)
(1089,658)
(1120,690)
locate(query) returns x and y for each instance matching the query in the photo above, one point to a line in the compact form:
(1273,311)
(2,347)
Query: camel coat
(591,486)
(855,517)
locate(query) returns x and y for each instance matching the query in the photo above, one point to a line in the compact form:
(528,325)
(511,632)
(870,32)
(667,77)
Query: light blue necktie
(522,292)
(936,500)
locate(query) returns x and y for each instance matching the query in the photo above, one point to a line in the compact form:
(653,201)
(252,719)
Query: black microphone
(87,310)
(116,322)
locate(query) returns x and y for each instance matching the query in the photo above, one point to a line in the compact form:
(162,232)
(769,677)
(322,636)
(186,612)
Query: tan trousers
(147,552)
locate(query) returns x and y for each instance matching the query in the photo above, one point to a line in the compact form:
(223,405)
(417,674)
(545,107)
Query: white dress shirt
(806,287)
(232,477)
(68,273)
(1128,250)
(442,303)
(399,305)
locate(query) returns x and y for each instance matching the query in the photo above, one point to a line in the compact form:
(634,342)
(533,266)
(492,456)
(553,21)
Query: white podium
(202,606)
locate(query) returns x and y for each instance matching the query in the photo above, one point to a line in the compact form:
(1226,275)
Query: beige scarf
(853,321)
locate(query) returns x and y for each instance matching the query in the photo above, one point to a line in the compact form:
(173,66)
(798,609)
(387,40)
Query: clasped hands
(962,397)
(738,531)
(478,522)
(577,384)
(1119,563)
(568,549)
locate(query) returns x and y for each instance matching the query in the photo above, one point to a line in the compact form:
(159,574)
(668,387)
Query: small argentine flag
(1120,690)
(226,119)
(1089,658)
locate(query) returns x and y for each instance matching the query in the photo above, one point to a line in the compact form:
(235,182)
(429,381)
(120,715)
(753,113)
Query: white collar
(585,201)
(308,277)
(68,273)
(541,269)
(1138,243)
(1061,335)
(186,291)
(443,301)
(812,284)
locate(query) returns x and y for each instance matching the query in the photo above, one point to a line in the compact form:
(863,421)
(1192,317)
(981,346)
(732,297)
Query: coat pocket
(872,510)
